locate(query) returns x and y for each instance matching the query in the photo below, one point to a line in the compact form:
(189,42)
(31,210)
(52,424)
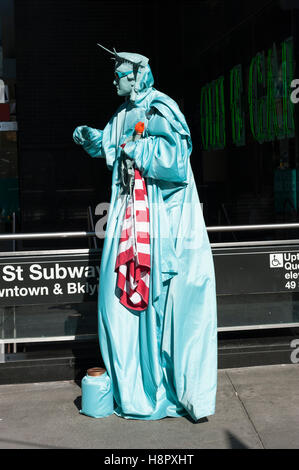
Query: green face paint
(124,79)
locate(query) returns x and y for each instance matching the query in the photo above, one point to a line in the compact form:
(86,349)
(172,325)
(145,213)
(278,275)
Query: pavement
(257,408)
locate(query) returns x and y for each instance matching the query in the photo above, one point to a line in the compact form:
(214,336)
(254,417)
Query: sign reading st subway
(51,281)
(37,272)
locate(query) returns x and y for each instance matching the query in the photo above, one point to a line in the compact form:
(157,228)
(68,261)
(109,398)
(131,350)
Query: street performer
(157,311)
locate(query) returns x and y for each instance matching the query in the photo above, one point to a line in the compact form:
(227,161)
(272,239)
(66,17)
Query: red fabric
(4,112)
(133,261)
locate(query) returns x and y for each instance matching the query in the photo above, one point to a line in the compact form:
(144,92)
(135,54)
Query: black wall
(65,80)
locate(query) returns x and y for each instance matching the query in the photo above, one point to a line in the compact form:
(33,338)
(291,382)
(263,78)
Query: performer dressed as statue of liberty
(160,350)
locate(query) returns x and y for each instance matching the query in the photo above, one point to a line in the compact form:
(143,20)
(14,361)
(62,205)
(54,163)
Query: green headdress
(137,61)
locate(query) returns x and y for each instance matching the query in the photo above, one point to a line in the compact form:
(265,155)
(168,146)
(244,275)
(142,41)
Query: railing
(86,234)
(225,228)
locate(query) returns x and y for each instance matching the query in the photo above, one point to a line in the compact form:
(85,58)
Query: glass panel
(9,184)
(245,153)
(41,321)
(258,309)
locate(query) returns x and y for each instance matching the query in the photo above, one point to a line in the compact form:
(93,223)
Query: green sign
(213,115)
(236,106)
(270,109)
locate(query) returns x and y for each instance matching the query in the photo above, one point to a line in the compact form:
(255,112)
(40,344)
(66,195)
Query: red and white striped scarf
(133,258)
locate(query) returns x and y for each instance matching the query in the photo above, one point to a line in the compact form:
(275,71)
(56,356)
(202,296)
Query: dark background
(65,80)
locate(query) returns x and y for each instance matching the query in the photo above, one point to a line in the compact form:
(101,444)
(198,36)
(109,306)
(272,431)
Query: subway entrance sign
(49,278)
(72,276)
(257,270)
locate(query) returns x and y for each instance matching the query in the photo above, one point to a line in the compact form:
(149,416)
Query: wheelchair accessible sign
(288,263)
(257,270)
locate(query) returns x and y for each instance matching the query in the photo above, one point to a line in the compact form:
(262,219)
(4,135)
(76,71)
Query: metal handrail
(249,244)
(224,228)
(230,228)
(40,236)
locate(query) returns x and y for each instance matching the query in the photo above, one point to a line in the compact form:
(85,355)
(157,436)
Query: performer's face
(124,79)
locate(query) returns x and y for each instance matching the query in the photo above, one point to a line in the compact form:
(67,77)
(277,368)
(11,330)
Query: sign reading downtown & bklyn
(51,279)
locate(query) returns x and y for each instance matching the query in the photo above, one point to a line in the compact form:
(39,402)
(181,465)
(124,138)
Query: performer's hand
(81,134)
(139,128)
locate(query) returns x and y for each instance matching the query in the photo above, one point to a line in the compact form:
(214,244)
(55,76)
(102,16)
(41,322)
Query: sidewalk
(257,408)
